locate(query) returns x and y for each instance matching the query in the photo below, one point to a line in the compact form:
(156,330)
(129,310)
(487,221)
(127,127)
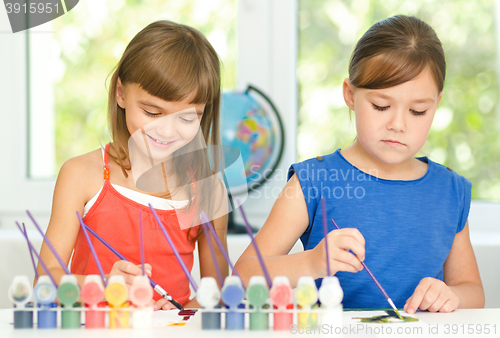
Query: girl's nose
(166,128)
(397,122)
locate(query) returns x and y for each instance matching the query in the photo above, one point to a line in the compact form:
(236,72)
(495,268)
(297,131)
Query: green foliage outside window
(466,130)
(91,39)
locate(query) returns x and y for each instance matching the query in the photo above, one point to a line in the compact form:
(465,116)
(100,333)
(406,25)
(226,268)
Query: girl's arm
(207,266)
(77,182)
(70,195)
(286,223)
(462,285)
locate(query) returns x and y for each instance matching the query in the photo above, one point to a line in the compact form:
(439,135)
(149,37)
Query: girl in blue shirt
(406,217)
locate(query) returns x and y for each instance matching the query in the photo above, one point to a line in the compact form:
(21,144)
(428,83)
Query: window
(466,130)
(65,95)
(84,47)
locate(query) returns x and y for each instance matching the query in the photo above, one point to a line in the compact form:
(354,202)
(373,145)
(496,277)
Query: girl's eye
(380,108)
(151,114)
(187,121)
(417,113)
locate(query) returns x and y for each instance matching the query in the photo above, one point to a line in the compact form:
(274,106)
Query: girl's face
(392,123)
(166,126)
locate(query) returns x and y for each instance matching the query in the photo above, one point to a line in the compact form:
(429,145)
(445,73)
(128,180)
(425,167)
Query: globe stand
(232,226)
(236,228)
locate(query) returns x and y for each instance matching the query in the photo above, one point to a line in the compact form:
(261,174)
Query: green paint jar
(257,295)
(71,318)
(68,293)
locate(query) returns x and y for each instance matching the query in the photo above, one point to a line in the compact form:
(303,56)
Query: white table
(436,325)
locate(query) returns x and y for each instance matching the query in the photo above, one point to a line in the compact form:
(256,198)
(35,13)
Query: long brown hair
(394,51)
(172,62)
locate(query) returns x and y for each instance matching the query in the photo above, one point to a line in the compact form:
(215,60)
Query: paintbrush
(174,249)
(155,286)
(91,246)
(212,252)
(389,300)
(325,233)
(47,271)
(204,219)
(49,244)
(31,252)
(257,251)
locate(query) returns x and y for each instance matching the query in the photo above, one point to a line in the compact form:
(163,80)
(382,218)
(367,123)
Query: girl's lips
(393,143)
(158,144)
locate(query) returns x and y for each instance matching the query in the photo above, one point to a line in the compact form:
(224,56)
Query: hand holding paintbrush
(389,300)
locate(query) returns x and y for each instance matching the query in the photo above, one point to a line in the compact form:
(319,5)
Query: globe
(251,123)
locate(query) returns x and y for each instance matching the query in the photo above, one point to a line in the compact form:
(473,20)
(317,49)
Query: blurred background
(88,41)
(55,79)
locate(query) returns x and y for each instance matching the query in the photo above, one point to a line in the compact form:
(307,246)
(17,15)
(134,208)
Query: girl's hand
(339,243)
(163,304)
(433,295)
(129,270)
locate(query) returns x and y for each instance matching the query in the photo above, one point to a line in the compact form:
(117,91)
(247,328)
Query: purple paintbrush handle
(254,243)
(63,265)
(174,249)
(205,220)
(212,252)
(99,267)
(47,271)
(376,281)
(325,233)
(141,242)
(368,270)
(31,252)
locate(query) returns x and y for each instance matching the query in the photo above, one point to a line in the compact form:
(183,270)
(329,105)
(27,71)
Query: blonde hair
(394,51)
(172,62)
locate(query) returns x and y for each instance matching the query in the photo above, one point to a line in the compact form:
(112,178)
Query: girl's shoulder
(84,173)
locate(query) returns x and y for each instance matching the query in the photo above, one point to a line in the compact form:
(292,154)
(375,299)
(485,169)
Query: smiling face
(392,123)
(162,126)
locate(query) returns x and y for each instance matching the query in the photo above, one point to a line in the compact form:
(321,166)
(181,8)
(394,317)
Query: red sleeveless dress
(115,218)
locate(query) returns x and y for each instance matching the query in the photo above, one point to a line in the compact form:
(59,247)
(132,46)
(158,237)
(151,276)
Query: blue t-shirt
(409,226)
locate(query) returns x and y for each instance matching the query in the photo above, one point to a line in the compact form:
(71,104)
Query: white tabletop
(461,323)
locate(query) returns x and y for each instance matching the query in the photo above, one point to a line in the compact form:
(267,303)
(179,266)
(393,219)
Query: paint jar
(330,296)
(23,316)
(92,294)
(232,295)
(119,316)
(141,294)
(45,293)
(68,293)
(95,316)
(281,295)
(20,293)
(47,316)
(306,295)
(257,295)
(116,295)
(208,296)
